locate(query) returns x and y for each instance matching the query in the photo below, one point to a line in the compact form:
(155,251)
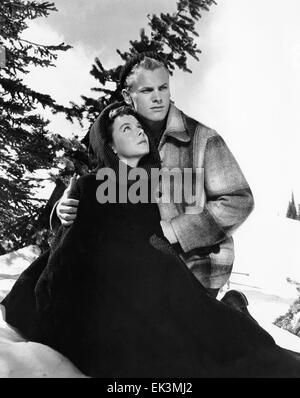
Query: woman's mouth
(143,141)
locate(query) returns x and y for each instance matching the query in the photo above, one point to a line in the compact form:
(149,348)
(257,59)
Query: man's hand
(168,232)
(66,208)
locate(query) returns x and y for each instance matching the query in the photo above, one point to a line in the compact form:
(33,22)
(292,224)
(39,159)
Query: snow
(267,254)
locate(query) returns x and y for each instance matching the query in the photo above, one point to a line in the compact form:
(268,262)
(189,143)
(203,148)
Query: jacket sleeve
(228,202)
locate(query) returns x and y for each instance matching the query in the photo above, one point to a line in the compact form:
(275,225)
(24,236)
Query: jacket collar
(176,127)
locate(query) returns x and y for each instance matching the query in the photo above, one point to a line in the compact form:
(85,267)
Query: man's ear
(127,97)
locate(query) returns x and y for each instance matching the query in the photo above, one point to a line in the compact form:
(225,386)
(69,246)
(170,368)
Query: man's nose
(157,96)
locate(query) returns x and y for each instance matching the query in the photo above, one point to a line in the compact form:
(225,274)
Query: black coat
(114,297)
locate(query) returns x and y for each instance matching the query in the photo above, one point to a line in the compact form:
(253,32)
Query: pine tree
(292,211)
(169,34)
(25,143)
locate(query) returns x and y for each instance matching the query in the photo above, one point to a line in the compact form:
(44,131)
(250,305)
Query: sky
(246,85)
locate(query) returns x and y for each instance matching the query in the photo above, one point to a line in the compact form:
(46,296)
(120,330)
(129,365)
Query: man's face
(150,93)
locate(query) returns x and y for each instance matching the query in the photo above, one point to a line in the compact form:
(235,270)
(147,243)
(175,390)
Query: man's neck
(156,128)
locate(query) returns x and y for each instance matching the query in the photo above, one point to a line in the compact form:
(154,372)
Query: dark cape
(113,296)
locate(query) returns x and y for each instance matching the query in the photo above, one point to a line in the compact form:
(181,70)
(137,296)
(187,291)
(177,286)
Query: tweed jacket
(203,229)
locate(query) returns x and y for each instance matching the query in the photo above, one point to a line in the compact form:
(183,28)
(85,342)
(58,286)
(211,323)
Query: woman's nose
(140,132)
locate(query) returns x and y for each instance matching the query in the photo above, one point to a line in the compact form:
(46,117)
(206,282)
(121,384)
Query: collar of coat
(176,126)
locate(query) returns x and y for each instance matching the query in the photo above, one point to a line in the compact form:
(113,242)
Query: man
(202,237)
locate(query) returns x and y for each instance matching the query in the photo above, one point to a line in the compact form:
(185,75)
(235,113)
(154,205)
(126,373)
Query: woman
(115,298)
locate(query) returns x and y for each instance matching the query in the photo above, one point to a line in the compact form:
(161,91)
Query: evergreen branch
(61,46)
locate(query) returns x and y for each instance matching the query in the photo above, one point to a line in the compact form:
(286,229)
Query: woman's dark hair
(111,116)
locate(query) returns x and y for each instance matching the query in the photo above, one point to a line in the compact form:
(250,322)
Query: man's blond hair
(146,63)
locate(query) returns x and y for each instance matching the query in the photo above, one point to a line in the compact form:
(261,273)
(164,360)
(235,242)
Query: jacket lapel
(175,127)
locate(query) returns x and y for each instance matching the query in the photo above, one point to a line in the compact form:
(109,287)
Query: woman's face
(129,140)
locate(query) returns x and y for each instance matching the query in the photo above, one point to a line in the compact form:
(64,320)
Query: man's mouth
(157,108)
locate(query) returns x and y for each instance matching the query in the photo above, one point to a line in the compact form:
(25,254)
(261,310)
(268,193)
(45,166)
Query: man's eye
(164,88)
(126,129)
(146,91)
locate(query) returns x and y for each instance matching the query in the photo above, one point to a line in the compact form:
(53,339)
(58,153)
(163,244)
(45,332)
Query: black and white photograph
(149,191)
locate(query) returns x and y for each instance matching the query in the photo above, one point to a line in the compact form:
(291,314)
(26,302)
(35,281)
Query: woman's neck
(132,162)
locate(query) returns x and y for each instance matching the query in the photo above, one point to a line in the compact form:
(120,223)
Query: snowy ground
(267,255)
(260,271)
(18,357)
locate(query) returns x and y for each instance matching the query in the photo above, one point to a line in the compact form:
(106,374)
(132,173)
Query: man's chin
(158,116)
